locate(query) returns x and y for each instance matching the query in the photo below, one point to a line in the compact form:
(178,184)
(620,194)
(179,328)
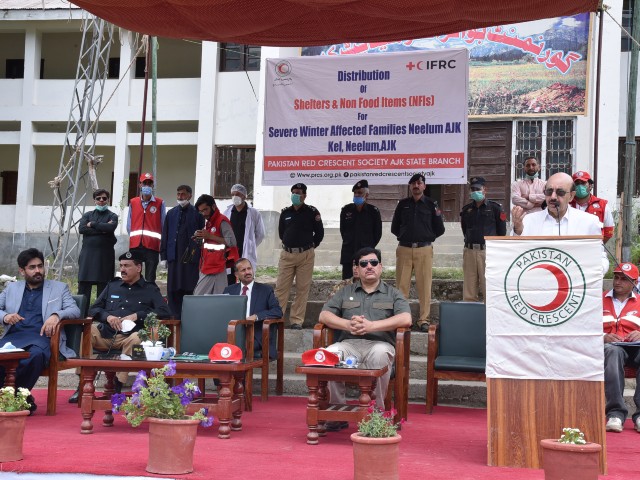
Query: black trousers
(347,271)
(151,258)
(29,369)
(174,299)
(84,288)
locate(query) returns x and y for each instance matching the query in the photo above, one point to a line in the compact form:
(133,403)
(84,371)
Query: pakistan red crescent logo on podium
(545,286)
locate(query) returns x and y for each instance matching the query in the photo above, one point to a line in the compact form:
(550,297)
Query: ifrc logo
(225,352)
(283,68)
(545,287)
(319,356)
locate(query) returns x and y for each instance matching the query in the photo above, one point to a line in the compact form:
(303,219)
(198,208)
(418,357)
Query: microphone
(555,204)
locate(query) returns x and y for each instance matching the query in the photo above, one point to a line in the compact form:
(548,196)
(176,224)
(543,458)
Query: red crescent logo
(563,289)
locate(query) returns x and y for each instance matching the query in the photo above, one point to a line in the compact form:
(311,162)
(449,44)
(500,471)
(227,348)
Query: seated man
(261,305)
(368,312)
(621,323)
(130,297)
(30,310)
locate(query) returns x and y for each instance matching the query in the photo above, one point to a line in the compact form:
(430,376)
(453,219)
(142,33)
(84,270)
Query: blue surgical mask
(531,177)
(477,196)
(295,199)
(358,200)
(582,191)
(146,190)
(102,208)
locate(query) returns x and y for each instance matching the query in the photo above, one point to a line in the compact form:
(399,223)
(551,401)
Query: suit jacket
(56,298)
(265,305)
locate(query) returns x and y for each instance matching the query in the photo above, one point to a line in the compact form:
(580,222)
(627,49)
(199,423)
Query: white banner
(383,118)
(544,309)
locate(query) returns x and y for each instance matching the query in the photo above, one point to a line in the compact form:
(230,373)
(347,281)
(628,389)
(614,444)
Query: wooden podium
(523,411)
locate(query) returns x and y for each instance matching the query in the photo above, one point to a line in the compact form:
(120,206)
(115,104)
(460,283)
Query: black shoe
(295,326)
(32,405)
(74,397)
(335,426)
(424,327)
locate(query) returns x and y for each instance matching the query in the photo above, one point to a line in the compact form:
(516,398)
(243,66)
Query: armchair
(456,347)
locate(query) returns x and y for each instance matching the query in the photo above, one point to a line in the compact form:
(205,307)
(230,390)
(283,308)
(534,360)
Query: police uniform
(416,224)
(121,299)
(301,231)
(478,221)
(360,226)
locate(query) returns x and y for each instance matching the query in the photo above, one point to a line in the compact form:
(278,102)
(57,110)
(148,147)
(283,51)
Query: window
(114,68)
(233,165)
(14,68)
(550,141)
(141,63)
(627,23)
(235,57)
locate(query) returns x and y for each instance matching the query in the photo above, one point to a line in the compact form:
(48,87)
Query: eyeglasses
(102,199)
(559,192)
(364,263)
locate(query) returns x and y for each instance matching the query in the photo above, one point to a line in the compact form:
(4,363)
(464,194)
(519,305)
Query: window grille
(233,165)
(550,141)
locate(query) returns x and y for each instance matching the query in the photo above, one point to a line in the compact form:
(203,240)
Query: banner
(544,309)
(522,68)
(381,118)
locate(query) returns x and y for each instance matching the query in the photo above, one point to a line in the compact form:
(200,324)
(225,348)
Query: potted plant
(376,445)
(570,456)
(172,434)
(152,335)
(14,410)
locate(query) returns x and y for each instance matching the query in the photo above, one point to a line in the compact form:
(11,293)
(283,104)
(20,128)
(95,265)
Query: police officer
(130,297)
(417,222)
(479,218)
(360,226)
(301,231)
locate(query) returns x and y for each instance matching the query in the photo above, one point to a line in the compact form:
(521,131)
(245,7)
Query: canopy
(321,22)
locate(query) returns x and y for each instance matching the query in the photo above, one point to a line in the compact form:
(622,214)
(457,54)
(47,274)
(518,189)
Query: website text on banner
(544,309)
(384,118)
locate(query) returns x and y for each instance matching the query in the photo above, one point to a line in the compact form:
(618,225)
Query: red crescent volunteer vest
(214,255)
(597,206)
(628,321)
(146,225)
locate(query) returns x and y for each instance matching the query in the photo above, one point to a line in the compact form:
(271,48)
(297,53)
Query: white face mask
(182,203)
(237,201)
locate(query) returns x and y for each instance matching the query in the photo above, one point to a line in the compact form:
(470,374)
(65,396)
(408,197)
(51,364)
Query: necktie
(244,290)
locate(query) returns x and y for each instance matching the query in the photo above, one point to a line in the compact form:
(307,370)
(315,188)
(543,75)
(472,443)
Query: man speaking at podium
(621,324)
(558,218)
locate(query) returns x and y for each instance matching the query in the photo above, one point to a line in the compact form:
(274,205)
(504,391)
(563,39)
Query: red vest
(214,255)
(596,206)
(146,225)
(628,321)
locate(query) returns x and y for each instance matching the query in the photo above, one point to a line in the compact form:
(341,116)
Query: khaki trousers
(419,260)
(300,267)
(473,267)
(121,342)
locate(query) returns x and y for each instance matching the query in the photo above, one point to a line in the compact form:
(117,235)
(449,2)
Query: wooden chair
(399,383)
(456,347)
(210,319)
(78,332)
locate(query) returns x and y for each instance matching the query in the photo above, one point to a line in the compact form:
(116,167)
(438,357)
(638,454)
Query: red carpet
(450,444)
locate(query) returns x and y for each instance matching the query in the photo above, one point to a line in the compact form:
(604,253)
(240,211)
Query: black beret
(299,186)
(360,184)
(131,256)
(477,181)
(416,177)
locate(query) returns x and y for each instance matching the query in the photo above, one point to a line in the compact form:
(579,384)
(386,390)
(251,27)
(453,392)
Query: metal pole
(596,130)
(144,110)
(630,152)
(154,105)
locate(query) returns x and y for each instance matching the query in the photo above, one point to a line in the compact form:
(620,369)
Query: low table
(318,408)
(227,408)
(9,360)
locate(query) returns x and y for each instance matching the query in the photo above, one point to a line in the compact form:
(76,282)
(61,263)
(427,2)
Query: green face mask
(102,208)
(532,177)
(295,199)
(582,191)
(477,196)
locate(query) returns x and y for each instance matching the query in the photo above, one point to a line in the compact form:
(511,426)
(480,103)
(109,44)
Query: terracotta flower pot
(171,444)
(11,435)
(564,461)
(375,458)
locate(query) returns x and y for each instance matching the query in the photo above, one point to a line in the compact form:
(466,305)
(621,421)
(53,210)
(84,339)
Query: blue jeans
(615,359)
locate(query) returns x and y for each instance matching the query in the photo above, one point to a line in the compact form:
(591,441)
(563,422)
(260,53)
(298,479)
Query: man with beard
(528,192)
(30,311)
